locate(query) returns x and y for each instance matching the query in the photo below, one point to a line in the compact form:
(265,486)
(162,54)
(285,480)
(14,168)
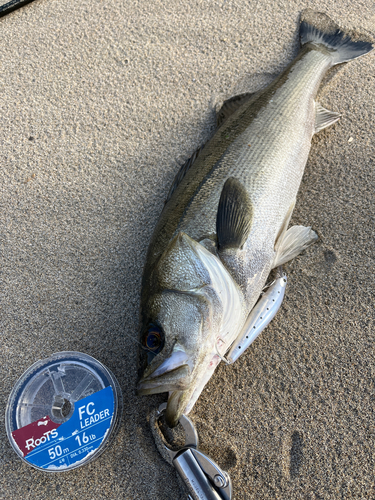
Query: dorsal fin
(234,215)
(230,106)
(226,110)
(182,172)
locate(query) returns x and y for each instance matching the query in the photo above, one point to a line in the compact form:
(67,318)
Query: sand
(100,103)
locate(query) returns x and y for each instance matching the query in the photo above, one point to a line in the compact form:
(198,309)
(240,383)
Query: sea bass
(224,226)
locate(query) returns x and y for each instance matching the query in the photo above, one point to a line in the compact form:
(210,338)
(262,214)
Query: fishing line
(84,298)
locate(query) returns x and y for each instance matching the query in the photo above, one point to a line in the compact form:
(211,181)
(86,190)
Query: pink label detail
(34,434)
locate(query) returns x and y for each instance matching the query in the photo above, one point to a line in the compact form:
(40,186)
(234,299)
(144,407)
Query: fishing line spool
(63,412)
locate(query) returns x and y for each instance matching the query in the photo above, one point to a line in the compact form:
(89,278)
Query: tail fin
(319,29)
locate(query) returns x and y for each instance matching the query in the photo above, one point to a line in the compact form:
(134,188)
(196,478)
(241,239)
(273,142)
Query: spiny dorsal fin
(182,172)
(227,109)
(234,215)
(230,106)
(324,118)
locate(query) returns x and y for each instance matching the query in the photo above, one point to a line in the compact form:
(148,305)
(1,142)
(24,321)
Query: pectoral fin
(324,118)
(293,242)
(234,216)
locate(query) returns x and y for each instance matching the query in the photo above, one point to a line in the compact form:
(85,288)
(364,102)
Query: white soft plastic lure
(259,318)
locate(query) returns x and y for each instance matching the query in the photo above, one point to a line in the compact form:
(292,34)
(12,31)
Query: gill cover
(181,266)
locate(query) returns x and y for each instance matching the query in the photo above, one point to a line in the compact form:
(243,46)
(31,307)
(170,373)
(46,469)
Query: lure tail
(319,29)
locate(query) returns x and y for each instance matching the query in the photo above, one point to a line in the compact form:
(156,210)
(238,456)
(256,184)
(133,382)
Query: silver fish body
(224,227)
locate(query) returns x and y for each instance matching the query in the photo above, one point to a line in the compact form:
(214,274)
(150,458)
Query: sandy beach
(100,102)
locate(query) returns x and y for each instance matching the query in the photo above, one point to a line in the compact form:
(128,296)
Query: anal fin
(293,242)
(324,118)
(234,216)
(284,226)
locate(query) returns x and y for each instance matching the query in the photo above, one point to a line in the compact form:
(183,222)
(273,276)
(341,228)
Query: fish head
(182,316)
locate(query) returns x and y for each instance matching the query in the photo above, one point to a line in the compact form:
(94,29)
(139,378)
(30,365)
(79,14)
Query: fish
(224,226)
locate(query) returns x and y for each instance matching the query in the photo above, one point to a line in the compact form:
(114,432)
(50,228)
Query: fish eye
(153,339)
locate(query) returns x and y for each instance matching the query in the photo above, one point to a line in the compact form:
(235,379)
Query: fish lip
(177,359)
(178,379)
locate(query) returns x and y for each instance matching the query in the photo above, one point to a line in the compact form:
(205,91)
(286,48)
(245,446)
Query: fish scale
(247,163)
(224,225)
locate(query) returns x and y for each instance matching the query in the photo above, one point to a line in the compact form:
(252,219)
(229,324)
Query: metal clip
(204,479)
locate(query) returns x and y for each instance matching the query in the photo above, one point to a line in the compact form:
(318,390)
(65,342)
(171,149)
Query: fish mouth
(173,374)
(177,379)
(177,376)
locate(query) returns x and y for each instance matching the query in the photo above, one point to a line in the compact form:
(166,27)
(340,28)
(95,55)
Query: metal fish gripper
(203,478)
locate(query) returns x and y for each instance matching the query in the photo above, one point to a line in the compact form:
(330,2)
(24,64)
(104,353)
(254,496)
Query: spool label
(52,446)
(34,434)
